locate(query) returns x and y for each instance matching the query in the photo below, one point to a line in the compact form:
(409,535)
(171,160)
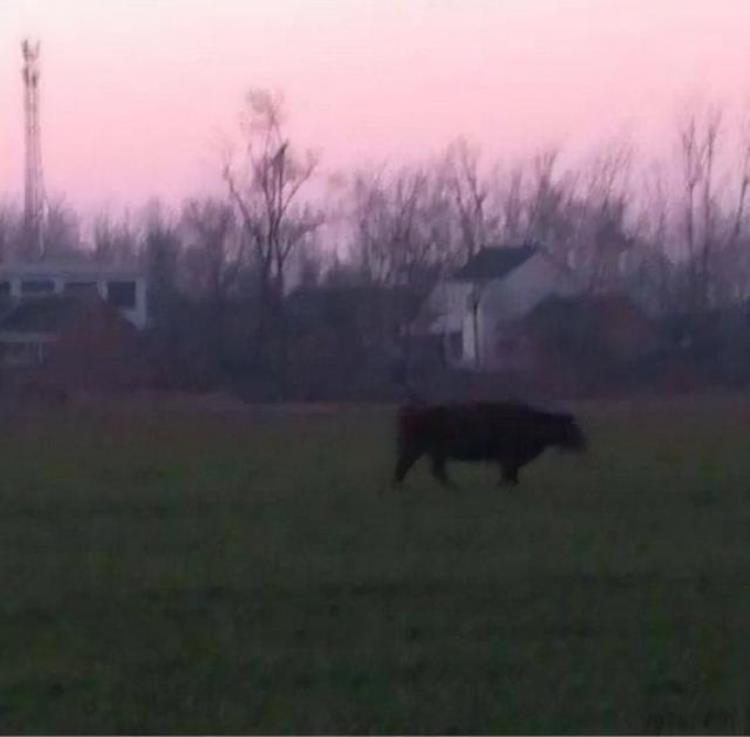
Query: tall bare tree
(511,203)
(699,138)
(266,191)
(214,250)
(10,231)
(604,208)
(743,179)
(114,242)
(401,233)
(161,255)
(731,259)
(469,191)
(62,232)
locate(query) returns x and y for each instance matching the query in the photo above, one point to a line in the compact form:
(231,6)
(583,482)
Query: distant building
(72,343)
(40,302)
(124,289)
(471,310)
(29,329)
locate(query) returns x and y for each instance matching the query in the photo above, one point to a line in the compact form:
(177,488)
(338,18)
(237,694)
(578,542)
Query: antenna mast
(34,200)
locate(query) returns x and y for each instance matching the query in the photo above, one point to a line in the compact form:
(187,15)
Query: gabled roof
(495,262)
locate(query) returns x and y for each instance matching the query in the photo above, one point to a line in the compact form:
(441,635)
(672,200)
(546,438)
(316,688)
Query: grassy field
(201,572)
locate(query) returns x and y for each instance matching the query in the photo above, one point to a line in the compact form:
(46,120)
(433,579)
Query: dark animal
(510,434)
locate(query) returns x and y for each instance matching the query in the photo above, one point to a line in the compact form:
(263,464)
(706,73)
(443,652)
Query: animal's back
(468,431)
(509,433)
(485,430)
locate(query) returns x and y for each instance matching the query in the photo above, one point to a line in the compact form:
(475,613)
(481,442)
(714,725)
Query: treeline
(289,284)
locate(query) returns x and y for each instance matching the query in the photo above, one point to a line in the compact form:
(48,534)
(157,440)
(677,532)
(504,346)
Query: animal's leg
(509,474)
(407,457)
(440,472)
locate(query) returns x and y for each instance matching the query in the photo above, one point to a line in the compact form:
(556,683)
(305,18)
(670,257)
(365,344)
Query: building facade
(472,310)
(124,289)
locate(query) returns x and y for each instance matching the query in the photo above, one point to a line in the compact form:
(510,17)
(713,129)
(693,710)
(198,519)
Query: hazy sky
(136,94)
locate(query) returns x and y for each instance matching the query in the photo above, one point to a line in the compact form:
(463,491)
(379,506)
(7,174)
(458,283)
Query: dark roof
(495,262)
(47,315)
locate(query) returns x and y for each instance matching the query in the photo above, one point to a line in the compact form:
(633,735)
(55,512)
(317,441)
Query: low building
(492,291)
(123,288)
(29,329)
(72,343)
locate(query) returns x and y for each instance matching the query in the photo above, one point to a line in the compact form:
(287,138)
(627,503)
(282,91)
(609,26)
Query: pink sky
(137,93)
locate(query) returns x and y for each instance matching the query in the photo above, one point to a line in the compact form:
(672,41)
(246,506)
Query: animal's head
(568,435)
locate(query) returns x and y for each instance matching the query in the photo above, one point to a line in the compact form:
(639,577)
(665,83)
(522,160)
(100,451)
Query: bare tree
(699,134)
(744,178)
(469,192)
(114,242)
(10,231)
(266,194)
(604,207)
(550,215)
(512,205)
(62,232)
(652,230)
(214,250)
(401,231)
(654,205)
(731,256)
(266,191)
(161,254)
(311,264)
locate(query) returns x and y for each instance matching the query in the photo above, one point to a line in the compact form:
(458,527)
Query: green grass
(188,572)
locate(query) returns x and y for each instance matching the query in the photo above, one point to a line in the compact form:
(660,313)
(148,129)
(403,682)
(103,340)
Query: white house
(471,310)
(123,288)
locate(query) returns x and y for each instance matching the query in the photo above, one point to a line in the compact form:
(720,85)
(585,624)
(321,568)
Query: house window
(121,294)
(81,288)
(37,286)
